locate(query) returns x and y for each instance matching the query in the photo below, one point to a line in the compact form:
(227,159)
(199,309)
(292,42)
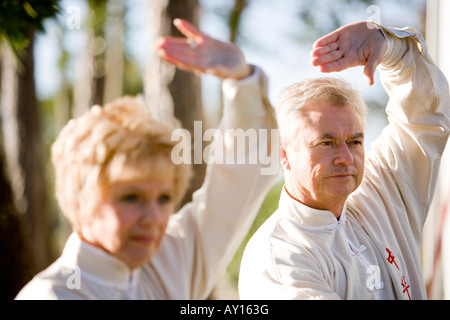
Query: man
(349,224)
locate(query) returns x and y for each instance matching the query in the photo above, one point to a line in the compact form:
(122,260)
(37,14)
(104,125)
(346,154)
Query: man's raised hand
(349,46)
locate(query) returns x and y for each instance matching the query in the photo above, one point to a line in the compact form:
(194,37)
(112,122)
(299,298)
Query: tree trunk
(90,84)
(16,263)
(114,50)
(24,149)
(170,92)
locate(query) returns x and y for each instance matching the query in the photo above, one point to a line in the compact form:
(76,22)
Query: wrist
(244,73)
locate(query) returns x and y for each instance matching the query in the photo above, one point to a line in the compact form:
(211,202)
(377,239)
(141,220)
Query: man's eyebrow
(358,136)
(329,136)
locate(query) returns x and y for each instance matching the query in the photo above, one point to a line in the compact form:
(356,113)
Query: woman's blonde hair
(117,142)
(294,98)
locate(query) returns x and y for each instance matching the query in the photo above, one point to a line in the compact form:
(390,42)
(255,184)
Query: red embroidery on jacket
(391,259)
(405,287)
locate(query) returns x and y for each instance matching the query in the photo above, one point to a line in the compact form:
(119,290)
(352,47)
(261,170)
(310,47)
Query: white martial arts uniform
(374,250)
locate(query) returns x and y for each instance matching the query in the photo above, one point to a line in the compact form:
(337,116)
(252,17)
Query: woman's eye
(132,197)
(165,198)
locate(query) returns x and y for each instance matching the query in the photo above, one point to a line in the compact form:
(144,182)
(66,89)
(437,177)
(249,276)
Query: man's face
(325,161)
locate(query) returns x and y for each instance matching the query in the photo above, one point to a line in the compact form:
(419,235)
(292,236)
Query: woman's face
(130,219)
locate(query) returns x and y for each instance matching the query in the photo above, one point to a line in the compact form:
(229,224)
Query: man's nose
(343,155)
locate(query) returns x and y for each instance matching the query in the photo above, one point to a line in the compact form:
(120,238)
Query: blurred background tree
(27,215)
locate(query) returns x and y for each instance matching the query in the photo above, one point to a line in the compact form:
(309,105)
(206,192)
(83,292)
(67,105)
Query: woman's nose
(152,212)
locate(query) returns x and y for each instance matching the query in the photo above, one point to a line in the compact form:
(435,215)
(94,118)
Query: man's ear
(284,159)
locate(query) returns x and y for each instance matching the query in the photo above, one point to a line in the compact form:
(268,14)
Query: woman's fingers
(188,30)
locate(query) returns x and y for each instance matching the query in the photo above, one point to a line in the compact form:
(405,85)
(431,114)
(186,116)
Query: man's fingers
(369,77)
(327,58)
(334,66)
(326,40)
(369,70)
(320,51)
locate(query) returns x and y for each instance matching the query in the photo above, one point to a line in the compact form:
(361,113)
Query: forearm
(246,102)
(418,112)
(418,91)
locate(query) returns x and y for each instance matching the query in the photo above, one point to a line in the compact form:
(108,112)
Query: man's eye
(326,143)
(165,198)
(356,142)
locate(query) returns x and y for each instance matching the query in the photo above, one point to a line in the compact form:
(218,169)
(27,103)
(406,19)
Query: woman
(118,186)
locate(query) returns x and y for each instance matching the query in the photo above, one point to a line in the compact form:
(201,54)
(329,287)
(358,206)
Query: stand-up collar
(97,265)
(309,218)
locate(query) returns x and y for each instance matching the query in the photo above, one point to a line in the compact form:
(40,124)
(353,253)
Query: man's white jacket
(374,250)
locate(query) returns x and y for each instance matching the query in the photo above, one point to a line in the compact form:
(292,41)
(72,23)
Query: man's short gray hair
(309,91)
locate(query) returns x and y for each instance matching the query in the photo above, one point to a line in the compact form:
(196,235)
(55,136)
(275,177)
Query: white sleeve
(203,237)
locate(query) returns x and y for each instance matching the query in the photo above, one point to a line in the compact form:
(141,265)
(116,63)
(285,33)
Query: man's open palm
(349,46)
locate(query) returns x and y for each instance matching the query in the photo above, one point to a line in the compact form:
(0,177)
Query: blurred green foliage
(268,207)
(17,16)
